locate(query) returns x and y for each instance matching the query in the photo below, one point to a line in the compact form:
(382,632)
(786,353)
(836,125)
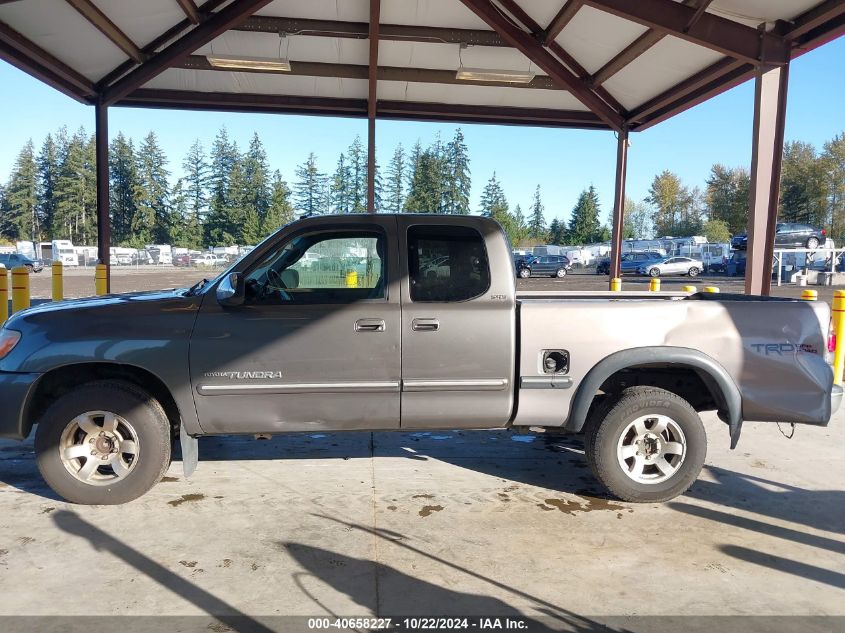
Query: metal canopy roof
(606,64)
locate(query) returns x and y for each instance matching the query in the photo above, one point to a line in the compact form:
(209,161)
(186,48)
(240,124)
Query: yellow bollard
(4,294)
(654,285)
(809,295)
(101,279)
(20,288)
(351,279)
(616,284)
(58,281)
(838,313)
(711,289)
(689,289)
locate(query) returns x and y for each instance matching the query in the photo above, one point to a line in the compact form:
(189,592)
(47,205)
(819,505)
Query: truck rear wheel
(104,443)
(647,445)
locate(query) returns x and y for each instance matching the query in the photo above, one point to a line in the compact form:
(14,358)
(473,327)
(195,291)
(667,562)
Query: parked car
(182,260)
(207,259)
(789,234)
(12,260)
(110,385)
(544,266)
(673,266)
(123,259)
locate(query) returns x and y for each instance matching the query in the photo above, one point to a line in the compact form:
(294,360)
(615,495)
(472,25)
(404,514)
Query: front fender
(716,377)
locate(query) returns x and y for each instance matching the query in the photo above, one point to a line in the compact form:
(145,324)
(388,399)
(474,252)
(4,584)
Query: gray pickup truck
(400,322)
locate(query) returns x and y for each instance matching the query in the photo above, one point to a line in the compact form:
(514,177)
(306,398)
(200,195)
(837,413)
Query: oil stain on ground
(588,505)
(184,498)
(167,480)
(427,510)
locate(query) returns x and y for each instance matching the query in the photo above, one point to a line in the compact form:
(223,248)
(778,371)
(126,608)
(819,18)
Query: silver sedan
(673,266)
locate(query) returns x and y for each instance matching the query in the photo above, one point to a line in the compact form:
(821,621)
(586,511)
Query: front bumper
(15,390)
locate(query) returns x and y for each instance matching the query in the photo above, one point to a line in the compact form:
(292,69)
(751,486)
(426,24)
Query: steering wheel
(275,279)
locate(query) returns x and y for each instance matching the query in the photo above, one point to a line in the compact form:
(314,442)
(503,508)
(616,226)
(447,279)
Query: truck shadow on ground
(359,579)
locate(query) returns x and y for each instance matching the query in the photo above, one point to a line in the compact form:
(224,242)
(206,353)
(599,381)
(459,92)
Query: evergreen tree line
(228,196)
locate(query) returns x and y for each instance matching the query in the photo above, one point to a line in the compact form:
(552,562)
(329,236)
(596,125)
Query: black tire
(611,418)
(693,272)
(131,403)
(654,272)
(813,242)
(524,273)
(560,273)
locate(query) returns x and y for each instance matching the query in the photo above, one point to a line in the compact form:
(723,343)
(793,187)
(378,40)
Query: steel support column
(770,86)
(375,13)
(101,114)
(619,204)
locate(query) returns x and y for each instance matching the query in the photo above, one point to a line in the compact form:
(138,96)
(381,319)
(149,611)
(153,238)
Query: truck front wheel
(647,445)
(106,442)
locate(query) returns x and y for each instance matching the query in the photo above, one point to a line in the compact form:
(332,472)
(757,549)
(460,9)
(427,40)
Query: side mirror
(230,291)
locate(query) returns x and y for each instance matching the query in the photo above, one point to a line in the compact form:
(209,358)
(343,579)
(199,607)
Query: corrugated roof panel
(594,37)
(61,31)
(142,21)
(665,64)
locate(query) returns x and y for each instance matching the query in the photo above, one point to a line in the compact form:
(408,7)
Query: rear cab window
(447,264)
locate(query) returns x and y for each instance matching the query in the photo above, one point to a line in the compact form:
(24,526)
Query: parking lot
(80,282)
(493,523)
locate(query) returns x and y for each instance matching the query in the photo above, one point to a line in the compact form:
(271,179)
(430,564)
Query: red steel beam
(711,31)
(559,22)
(101,141)
(357,108)
(603,104)
(215,25)
(372,79)
(104,25)
(766,157)
(814,18)
(34,69)
(632,51)
(361,31)
(34,60)
(190,10)
(154,45)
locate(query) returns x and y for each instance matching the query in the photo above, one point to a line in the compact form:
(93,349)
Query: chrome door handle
(425,325)
(369,325)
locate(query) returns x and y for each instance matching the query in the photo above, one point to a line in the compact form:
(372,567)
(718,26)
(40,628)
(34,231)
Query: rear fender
(716,377)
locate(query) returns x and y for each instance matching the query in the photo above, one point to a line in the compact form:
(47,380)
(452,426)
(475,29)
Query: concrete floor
(484,523)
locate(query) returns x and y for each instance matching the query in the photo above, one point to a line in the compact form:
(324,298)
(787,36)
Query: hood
(109,307)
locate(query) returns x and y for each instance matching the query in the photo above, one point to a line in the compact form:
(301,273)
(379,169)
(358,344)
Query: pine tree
(73,189)
(493,199)
(584,223)
(520,226)
(556,232)
(152,219)
(244,218)
(310,187)
(803,192)
(186,229)
(394,197)
(7,228)
(833,158)
(457,183)
(425,191)
(537,223)
(257,186)
(196,169)
(123,186)
(357,184)
(224,155)
(340,185)
(22,195)
(49,165)
(281,210)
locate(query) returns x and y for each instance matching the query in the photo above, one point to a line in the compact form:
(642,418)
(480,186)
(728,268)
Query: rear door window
(446,264)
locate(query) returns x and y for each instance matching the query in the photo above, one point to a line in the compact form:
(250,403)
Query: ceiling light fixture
(499,76)
(266,64)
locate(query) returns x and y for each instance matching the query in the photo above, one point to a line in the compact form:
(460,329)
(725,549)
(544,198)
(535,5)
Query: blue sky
(562,162)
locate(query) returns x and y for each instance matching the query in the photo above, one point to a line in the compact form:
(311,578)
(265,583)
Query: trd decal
(783,349)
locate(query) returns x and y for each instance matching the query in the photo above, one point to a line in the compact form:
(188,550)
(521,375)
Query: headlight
(8,340)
